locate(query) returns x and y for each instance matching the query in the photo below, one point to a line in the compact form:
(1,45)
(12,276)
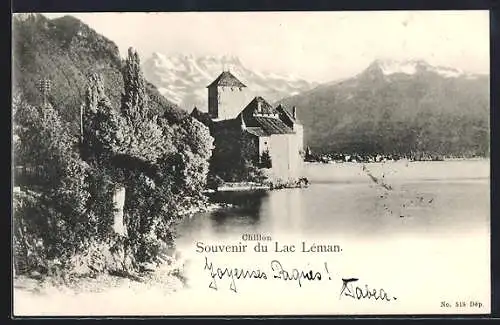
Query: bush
(54,214)
(67,216)
(265,159)
(163,166)
(29,250)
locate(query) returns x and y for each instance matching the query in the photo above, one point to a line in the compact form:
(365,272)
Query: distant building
(253,126)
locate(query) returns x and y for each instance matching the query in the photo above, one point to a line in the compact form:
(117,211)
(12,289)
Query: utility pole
(44,86)
(81,124)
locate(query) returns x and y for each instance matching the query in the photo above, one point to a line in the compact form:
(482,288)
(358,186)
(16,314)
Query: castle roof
(284,113)
(257,131)
(286,116)
(262,120)
(226,79)
(260,106)
(272,125)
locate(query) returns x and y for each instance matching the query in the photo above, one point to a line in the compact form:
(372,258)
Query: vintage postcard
(251,163)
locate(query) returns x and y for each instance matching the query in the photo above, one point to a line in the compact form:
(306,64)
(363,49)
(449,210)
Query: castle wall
(285,156)
(231,101)
(212,102)
(299,129)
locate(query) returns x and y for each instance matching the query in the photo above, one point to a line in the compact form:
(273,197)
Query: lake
(426,197)
(420,228)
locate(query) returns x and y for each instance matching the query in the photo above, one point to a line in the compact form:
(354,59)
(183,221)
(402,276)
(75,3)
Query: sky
(317,46)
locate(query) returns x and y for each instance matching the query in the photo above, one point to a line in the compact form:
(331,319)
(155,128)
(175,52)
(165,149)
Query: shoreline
(168,274)
(333,162)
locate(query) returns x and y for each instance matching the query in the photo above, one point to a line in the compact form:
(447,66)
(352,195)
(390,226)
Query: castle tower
(227,96)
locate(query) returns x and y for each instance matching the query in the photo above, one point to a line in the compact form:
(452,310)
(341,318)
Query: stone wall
(285,156)
(299,129)
(230,102)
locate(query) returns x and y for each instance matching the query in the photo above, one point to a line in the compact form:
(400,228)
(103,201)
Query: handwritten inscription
(232,274)
(294,274)
(280,272)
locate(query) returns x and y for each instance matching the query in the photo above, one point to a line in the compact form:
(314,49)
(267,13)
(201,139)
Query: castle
(254,127)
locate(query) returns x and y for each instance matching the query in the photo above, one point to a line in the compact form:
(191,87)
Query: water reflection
(358,209)
(246,212)
(268,212)
(239,215)
(286,209)
(240,198)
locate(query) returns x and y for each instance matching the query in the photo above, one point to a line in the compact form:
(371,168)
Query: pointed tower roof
(226,79)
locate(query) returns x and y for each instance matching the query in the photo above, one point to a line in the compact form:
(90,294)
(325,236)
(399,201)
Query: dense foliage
(53,213)
(265,159)
(68,211)
(162,166)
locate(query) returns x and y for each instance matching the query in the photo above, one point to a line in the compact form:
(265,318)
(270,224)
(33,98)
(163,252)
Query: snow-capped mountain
(183,78)
(398,106)
(410,67)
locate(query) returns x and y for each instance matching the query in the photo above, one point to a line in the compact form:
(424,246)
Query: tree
(50,219)
(143,138)
(134,99)
(129,131)
(163,165)
(265,159)
(125,145)
(161,162)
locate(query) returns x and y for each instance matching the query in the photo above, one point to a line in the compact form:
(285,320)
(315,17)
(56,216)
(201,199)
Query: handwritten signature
(359,293)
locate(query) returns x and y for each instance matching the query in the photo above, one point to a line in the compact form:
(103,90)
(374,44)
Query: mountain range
(400,107)
(183,78)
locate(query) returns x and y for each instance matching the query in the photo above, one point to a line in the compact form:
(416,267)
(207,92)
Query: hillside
(398,107)
(66,51)
(184,78)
